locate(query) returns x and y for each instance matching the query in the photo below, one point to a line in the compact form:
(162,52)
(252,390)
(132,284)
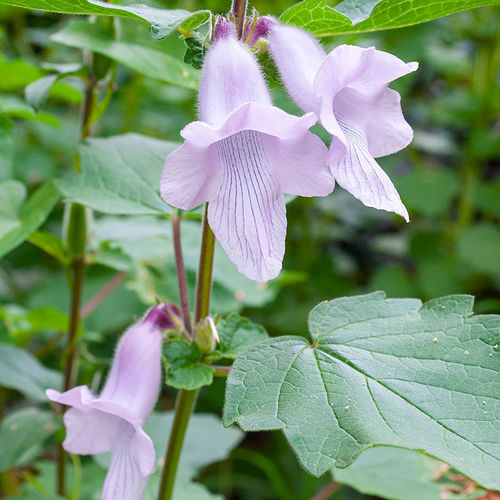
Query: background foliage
(448,178)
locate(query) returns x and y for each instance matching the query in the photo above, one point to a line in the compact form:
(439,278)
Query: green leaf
(396,473)
(49,243)
(12,194)
(145,60)
(6,148)
(32,216)
(379,372)
(37,92)
(237,334)
(321,20)
(195,52)
(22,433)
(479,247)
(163,22)
(120,175)
(21,371)
(13,107)
(183,367)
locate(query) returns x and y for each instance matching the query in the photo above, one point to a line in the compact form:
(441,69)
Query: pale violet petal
(88,431)
(249,216)
(359,173)
(298,57)
(231,77)
(132,461)
(300,167)
(134,380)
(352,82)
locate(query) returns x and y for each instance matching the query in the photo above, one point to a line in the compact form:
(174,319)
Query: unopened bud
(207,335)
(165,316)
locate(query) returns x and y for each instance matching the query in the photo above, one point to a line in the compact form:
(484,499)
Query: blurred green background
(449,179)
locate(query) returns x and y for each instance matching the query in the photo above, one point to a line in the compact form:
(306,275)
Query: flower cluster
(113,420)
(244,153)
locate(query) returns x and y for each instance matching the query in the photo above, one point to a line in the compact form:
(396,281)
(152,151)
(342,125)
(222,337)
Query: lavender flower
(113,420)
(348,89)
(241,157)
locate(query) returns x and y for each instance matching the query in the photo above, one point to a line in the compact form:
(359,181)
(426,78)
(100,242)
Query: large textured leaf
(379,372)
(162,21)
(145,60)
(120,175)
(20,370)
(318,18)
(21,435)
(31,217)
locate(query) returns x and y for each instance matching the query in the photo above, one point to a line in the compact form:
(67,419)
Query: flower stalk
(186,399)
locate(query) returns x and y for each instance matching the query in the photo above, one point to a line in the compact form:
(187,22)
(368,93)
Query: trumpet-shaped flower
(113,420)
(241,157)
(348,89)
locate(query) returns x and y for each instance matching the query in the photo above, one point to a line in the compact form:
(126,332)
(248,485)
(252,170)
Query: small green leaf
(12,194)
(49,243)
(379,372)
(145,60)
(163,22)
(194,53)
(120,175)
(37,92)
(322,20)
(32,216)
(237,334)
(14,107)
(21,371)
(6,148)
(182,364)
(21,435)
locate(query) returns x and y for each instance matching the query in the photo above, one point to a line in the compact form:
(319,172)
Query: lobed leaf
(163,22)
(322,20)
(379,372)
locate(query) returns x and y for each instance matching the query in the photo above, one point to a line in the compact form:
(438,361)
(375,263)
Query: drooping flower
(113,420)
(241,157)
(348,89)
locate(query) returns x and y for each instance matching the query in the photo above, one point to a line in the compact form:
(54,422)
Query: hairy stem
(181,274)
(186,399)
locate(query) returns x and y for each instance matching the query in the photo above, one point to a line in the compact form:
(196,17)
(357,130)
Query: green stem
(186,399)
(77,270)
(183,410)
